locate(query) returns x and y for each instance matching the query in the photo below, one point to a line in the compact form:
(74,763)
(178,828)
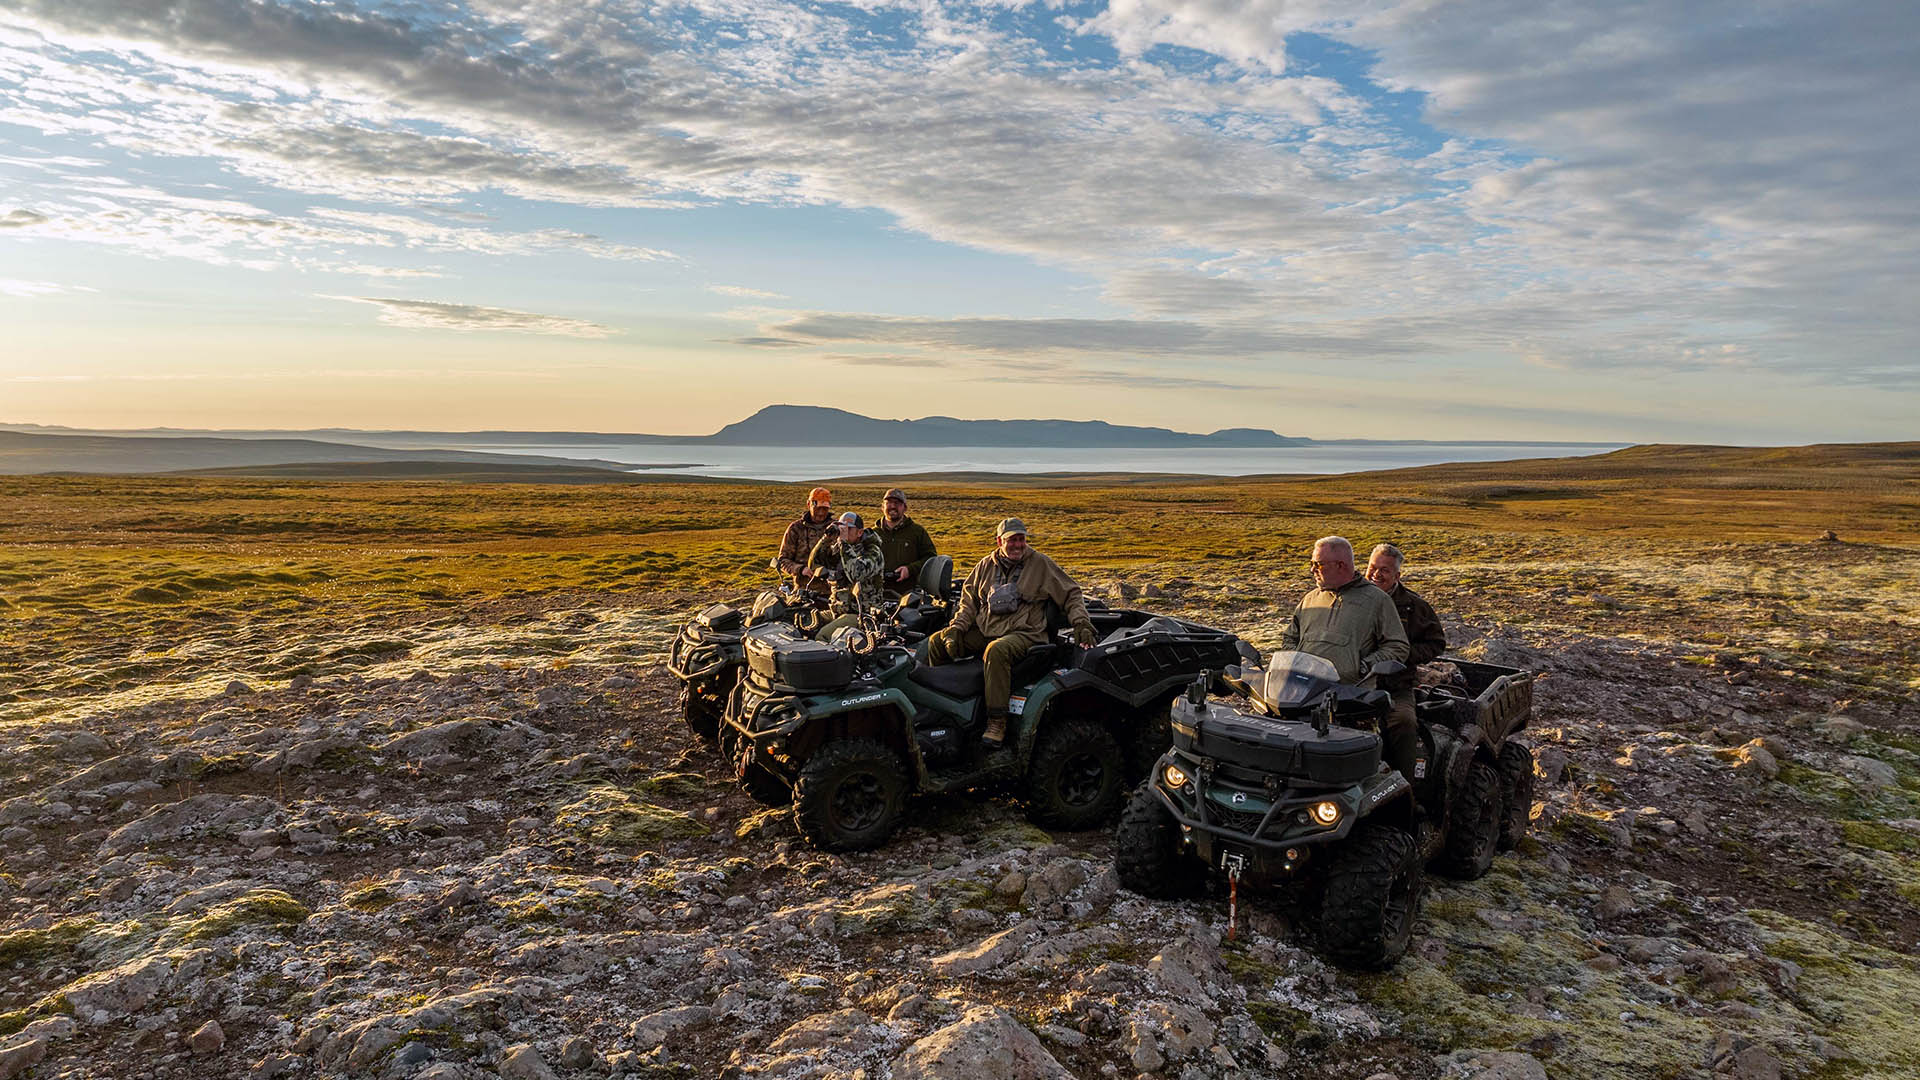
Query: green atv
(708,654)
(846,730)
(1291,792)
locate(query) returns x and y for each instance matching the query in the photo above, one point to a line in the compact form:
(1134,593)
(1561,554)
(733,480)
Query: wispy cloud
(435,315)
(743,291)
(18,287)
(1297,181)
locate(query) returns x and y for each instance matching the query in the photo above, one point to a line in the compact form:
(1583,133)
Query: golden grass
(110,583)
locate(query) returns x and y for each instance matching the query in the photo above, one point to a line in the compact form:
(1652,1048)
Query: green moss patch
(1864,996)
(375,897)
(619,818)
(1872,834)
(888,909)
(261,907)
(676,784)
(35,947)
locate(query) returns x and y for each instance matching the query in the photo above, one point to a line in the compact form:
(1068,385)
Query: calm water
(797,463)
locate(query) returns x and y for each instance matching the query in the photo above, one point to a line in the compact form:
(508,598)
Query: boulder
(1491,1065)
(984,955)
(1840,729)
(651,1030)
(1754,759)
(20,1055)
(984,1044)
(523,1062)
(197,815)
(1870,773)
(207,1038)
(121,991)
(821,1029)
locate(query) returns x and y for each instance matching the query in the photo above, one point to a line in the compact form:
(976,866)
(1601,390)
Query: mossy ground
(619,818)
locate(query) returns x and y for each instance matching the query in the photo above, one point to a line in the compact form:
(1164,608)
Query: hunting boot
(996,732)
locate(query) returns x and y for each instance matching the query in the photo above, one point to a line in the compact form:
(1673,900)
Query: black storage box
(721,618)
(779,653)
(1283,747)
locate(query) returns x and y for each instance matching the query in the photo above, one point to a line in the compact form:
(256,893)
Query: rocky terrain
(493,850)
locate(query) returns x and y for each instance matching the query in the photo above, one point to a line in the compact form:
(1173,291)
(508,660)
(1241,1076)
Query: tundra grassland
(383,777)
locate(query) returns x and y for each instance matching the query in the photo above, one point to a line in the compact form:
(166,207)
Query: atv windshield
(1295,678)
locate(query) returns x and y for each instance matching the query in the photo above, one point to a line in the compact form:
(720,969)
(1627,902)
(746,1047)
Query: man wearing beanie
(1003,613)
(805,534)
(903,540)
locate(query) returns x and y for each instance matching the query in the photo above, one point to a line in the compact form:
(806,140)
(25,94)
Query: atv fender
(884,715)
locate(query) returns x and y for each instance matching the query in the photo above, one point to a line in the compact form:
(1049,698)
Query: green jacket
(1355,626)
(908,546)
(1040,580)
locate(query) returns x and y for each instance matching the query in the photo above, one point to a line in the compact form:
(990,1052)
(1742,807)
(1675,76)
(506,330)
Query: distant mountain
(23,452)
(802,425)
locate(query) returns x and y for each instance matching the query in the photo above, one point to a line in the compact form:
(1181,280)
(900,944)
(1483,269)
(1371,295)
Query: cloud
(21,219)
(1595,187)
(743,291)
(434,315)
(19,287)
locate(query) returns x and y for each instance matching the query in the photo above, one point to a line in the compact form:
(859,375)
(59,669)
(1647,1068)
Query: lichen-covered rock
(651,1030)
(984,1044)
(1491,1065)
(523,1062)
(19,1055)
(198,815)
(984,955)
(207,1038)
(110,995)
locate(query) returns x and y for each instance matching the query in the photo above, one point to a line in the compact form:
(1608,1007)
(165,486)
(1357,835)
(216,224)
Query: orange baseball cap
(820,495)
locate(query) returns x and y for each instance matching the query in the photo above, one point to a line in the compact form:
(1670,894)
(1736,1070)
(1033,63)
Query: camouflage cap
(892,494)
(1008,527)
(820,495)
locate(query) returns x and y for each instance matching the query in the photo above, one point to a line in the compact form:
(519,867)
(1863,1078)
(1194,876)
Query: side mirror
(1247,652)
(773,563)
(1389,668)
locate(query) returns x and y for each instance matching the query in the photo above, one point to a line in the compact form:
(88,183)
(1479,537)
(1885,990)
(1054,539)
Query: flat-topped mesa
(800,425)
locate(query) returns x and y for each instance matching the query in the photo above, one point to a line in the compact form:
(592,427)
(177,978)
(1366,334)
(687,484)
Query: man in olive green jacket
(1003,614)
(903,540)
(1350,622)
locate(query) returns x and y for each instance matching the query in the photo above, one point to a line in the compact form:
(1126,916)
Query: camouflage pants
(998,655)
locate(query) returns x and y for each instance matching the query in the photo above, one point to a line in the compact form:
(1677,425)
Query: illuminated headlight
(1325,813)
(1175,776)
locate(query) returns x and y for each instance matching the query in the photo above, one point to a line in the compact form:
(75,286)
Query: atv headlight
(1175,776)
(1325,813)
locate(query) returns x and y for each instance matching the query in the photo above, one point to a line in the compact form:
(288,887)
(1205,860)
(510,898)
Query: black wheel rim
(1399,909)
(859,803)
(1082,778)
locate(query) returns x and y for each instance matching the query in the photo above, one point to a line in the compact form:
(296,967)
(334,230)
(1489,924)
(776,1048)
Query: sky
(1504,219)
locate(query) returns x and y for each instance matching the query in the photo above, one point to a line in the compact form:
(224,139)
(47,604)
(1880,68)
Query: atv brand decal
(867,699)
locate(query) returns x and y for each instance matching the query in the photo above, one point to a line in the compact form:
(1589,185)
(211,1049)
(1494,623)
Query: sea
(829,459)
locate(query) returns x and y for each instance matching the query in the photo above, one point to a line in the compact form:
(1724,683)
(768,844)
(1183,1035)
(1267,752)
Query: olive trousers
(997,655)
(1400,742)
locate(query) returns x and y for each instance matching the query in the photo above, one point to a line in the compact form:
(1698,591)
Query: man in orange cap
(803,535)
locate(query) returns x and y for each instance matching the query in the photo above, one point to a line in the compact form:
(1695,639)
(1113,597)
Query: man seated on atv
(1003,613)
(803,535)
(904,540)
(1426,639)
(854,551)
(1353,624)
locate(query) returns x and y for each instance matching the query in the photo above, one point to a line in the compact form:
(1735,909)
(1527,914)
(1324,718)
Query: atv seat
(967,678)
(961,679)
